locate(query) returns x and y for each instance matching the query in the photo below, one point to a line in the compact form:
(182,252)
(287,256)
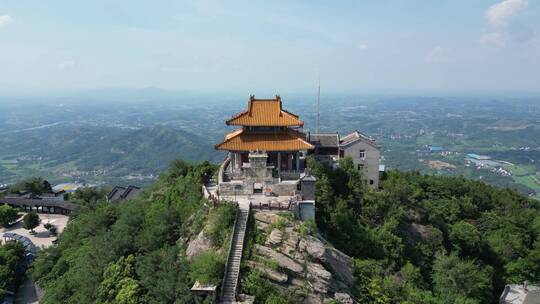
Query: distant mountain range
(65,150)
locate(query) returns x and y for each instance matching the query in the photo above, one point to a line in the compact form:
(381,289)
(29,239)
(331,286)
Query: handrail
(222,169)
(229,250)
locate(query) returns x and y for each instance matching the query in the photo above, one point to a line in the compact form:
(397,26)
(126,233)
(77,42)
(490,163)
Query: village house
(362,149)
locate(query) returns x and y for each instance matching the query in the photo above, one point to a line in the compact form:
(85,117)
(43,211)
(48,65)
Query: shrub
(220,221)
(255,285)
(207,268)
(308,227)
(280,224)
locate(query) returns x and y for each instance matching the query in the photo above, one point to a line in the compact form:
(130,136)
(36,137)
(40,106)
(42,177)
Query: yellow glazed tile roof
(243,140)
(265,112)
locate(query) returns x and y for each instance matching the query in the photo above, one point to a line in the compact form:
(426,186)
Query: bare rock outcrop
(199,244)
(266,217)
(275,238)
(318,277)
(415,233)
(306,265)
(281,259)
(344,298)
(313,299)
(336,261)
(273,275)
(293,238)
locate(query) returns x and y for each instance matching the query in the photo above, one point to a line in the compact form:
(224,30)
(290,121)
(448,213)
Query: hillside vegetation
(419,239)
(135,252)
(429,239)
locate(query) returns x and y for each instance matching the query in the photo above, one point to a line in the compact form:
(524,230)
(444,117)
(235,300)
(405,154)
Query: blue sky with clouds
(361,46)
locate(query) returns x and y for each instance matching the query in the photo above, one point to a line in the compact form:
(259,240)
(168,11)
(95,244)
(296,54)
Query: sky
(246,46)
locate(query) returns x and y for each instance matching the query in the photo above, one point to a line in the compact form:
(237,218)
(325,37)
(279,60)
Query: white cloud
(500,14)
(5,20)
(504,29)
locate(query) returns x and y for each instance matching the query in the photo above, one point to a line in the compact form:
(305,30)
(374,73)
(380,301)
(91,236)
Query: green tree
(462,279)
(525,268)
(465,238)
(31,221)
(87,195)
(119,284)
(163,274)
(11,255)
(35,185)
(369,285)
(8,215)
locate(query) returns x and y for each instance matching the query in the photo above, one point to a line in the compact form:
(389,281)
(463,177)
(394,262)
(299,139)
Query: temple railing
(222,168)
(289,174)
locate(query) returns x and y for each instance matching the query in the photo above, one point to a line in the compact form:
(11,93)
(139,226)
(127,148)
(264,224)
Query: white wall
(370,162)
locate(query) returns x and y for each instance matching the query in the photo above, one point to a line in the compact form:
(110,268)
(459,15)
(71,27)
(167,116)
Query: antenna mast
(318,107)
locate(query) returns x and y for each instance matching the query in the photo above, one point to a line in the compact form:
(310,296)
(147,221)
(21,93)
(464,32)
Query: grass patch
(219,223)
(207,268)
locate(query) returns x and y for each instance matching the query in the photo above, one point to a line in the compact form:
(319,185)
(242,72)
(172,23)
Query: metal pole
(318,106)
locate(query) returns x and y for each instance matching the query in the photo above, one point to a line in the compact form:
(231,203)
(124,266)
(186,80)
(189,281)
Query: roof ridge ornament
(250,103)
(278,98)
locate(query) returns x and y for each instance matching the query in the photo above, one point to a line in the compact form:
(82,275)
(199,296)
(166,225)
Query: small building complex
(267,152)
(265,169)
(362,149)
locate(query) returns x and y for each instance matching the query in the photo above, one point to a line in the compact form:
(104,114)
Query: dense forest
(429,239)
(418,239)
(135,252)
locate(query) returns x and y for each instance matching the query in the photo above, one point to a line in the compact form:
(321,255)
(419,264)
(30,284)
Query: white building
(362,149)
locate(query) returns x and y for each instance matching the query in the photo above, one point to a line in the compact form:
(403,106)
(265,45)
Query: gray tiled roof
(356,135)
(123,193)
(324,140)
(32,202)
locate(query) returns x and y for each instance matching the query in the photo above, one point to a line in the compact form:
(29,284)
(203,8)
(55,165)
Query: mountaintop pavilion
(266,153)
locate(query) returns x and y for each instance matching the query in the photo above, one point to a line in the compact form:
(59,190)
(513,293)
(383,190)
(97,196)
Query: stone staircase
(232,267)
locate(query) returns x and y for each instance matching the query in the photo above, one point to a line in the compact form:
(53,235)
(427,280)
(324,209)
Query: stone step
(235,257)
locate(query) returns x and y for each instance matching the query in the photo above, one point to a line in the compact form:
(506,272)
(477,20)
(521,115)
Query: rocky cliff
(298,263)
